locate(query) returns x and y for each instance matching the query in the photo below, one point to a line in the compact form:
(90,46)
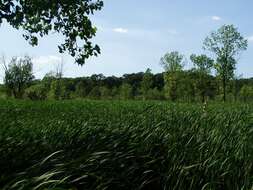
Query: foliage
(146,83)
(172,62)
(246,93)
(155,94)
(80,89)
(18,75)
(105,92)
(125,145)
(171,85)
(225,43)
(173,65)
(203,65)
(59,90)
(67,17)
(36,92)
(55,90)
(126,91)
(188,87)
(2,92)
(95,93)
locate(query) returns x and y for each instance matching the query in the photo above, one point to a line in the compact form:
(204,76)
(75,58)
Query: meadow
(75,145)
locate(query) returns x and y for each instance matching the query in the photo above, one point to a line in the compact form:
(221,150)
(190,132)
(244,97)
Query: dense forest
(136,86)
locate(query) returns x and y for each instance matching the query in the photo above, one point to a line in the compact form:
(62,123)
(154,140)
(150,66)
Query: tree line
(184,86)
(211,78)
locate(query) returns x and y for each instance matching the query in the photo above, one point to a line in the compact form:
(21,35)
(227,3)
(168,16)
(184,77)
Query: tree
(246,93)
(236,86)
(105,93)
(18,75)
(57,85)
(225,43)
(173,65)
(172,62)
(55,90)
(158,81)
(126,91)
(146,83)
(134,80)
(70,18)
(59,90)
(115,93)
(203,66)
(2,92)
(36,92)
(95,93)
(186,88)
(155,94)
(80,89)
(202,63)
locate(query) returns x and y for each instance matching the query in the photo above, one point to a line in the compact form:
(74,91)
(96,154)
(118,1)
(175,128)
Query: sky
(134,34)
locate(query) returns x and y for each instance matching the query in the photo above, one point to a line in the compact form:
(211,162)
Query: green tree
(186,89)
(225,43)
(146,83)
(173,64)
(18,75)
(2,92)
(59,90)
(236,86)
(155,94)
(70,18)
(126,91)
(58,87)
(246,93)
(36,92)
(105,93)
(203,65)
(95,93)
(80,89)
(55,90)
(115,93)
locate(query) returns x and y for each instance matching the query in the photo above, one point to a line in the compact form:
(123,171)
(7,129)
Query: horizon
(131,43)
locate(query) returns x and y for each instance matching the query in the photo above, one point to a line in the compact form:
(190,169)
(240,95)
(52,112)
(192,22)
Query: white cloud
(42,60)
(250,38)
(120,30)
(45,64)
(216,18)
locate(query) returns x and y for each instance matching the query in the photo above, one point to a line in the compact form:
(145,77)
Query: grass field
(125,145)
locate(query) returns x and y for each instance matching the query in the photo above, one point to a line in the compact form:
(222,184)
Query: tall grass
(125,145)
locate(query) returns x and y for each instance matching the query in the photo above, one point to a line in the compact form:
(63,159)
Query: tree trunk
(19,93)
(236,90)
(14,93)
(203,97)
(224,87)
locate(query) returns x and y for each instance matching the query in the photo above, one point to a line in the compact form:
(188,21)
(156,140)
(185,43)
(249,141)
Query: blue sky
(135,34)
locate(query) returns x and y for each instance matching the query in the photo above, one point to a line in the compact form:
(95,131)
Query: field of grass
(76,145)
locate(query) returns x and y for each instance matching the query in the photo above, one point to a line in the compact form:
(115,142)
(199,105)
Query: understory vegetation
(125,145)
(136,86)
